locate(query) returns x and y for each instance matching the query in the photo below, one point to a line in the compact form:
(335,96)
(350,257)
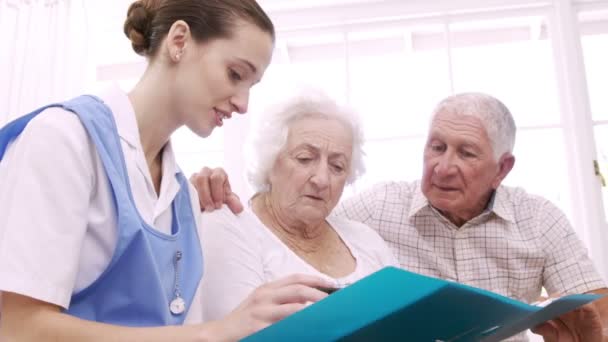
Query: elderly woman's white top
(241,253)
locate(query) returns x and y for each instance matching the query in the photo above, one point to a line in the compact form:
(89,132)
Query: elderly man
(460,223)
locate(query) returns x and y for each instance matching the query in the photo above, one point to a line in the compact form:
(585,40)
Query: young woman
(99,231)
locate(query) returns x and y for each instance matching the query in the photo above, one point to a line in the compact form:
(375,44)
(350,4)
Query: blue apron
(149,270)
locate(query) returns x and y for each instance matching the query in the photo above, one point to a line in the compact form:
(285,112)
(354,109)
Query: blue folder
(396,305)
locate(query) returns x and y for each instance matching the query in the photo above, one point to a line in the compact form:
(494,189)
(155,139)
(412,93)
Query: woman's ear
(177,39)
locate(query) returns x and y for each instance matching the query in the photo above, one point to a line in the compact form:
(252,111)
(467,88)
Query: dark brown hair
(149,21)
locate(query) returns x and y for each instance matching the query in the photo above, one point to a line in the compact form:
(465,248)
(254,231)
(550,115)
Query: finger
(547,330)
(301,279)
(201,183)
(234,203)
(296,293)
(218,180)
(232,200)
(273,313)
(584,323)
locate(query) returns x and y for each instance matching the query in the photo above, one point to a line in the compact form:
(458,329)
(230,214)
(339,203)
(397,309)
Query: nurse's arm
(25,319)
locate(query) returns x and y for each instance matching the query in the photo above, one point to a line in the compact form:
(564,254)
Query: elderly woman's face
(309,173)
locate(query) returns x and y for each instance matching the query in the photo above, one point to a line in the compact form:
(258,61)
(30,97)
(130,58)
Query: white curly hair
(268,134)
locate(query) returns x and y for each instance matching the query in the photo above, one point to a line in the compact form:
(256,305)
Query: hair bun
(137,26)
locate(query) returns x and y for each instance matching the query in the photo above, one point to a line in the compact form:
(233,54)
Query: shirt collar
(170,166)
(498,204)
(124,114)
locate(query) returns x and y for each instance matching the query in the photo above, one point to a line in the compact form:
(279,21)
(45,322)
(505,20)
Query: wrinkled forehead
(452,124)
(321,133)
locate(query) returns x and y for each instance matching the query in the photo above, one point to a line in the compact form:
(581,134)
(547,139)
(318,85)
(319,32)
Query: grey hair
(269,131)
(494,115)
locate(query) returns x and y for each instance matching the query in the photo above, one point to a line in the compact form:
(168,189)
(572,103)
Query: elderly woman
(303,154)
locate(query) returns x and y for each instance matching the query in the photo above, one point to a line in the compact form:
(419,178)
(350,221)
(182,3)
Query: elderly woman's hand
(214,190)
(580,325)
(270,303)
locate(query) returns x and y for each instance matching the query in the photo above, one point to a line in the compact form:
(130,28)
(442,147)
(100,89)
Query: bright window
(394,67)
(595,50)
(394,78)
(512,60)
(594,40)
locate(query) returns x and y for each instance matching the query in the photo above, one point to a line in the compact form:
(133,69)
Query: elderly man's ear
(214,190)
(505,165)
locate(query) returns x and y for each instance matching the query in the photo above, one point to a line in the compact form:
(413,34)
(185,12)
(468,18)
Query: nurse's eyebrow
(249,64)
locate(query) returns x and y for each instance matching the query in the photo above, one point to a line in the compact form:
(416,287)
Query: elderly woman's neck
(295,233)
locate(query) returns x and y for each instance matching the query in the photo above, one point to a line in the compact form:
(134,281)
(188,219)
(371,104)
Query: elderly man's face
(309,174)
(459,167)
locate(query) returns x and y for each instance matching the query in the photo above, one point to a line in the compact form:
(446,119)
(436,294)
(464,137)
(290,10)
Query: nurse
(99,230)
